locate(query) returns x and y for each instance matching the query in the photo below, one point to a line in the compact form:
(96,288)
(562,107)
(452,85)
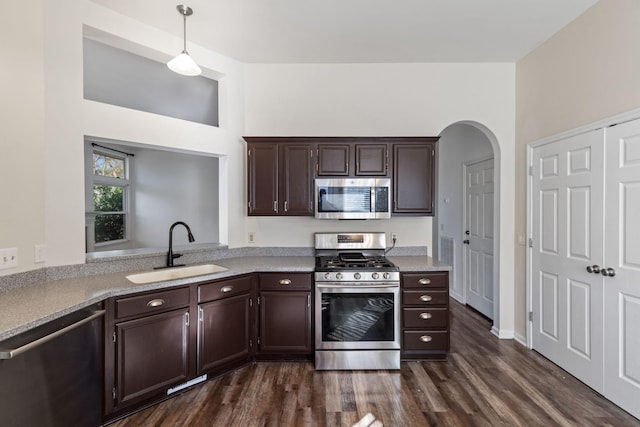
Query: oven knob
(357,276)
(375,276)
(386,275)
(327,276)
(338,276)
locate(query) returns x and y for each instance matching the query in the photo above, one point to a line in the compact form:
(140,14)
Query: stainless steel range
(357,300)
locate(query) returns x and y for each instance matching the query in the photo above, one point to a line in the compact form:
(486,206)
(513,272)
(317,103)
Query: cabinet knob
(424,281)
(426,338)
(425,298)
(425,316)
(155,302)
(285,281)
(226,289)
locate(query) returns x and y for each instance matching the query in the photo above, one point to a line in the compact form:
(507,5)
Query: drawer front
(224,289)
(425,317)
(425,340)
(285,281)
(425,280)
(425,297)
(156,302)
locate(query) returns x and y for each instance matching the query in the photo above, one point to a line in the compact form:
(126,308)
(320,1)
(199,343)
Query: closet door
(567,202)
(622,243)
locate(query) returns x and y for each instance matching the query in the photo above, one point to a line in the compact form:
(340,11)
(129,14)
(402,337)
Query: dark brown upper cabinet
(281,170)
(334,159)
(362,158)
(280,177)
(371,159)
(413,178)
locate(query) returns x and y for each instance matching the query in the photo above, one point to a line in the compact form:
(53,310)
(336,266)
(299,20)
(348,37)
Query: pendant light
(183,63)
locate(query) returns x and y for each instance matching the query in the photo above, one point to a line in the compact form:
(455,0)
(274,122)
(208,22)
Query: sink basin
(174,273)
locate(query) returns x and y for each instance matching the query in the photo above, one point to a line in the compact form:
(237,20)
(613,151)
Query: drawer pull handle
(155,302)
(285,282)
(426,338)
(425,298)
(424,281)
(226,289)
(425,316)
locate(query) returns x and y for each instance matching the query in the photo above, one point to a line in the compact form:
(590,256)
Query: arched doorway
(463,146)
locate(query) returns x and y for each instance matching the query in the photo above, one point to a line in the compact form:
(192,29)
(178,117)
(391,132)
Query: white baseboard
(456,296)
(502,333)
(520,339)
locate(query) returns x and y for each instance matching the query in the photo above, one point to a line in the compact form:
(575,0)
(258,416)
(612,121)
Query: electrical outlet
(40,253)
(394,237)
(8,258)
(251,237)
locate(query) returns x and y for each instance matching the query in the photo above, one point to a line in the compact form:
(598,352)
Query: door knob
(593,268)
(610,272)
(465,241)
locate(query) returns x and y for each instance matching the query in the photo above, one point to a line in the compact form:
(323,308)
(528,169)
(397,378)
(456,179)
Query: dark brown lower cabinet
(425,315)
(152,353)
(284,307)
(154,340)
(225,327)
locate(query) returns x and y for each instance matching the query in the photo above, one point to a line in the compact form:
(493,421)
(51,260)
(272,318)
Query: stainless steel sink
(174,273)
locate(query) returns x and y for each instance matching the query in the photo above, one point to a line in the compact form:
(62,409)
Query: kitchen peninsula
(26,306)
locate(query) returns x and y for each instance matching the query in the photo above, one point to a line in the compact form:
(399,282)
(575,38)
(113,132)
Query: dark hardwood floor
(485,382)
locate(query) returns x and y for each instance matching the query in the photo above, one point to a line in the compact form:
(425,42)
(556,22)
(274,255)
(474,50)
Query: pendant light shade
(183,63)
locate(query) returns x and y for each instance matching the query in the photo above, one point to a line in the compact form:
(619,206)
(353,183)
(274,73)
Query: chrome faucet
(170,255)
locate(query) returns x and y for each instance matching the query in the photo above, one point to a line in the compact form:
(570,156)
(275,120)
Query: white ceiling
(361,31)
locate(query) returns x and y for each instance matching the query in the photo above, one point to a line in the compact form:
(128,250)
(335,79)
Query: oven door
(362,316)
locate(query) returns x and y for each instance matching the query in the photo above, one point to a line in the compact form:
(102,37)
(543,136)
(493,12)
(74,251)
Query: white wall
(459,144)
(173,187)
(22,159)
(68,118)
(586,72)
(385,100)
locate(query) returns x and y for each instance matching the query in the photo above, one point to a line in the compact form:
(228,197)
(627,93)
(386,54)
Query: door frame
(607,122)
(465,260)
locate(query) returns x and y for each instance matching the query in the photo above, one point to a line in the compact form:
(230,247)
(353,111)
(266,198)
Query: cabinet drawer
(426,280)
(156,302)
(425,297)
(284,281)
(224,289)
(425,340)
(425,317)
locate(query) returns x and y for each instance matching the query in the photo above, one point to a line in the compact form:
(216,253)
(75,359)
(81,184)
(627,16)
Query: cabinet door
(297,179)
(413,179)
(263,179)
(371,159)
(224,332)
(285,322)
(152,354)
(333,159)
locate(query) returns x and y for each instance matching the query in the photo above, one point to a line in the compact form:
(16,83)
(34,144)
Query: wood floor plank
(484,382)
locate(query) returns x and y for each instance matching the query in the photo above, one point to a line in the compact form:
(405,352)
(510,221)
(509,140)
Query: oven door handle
(347,285)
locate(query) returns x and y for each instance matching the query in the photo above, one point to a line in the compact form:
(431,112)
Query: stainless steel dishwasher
(52,375)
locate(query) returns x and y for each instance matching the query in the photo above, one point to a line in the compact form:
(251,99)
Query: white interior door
(567,224)
(478,237)
(622,291)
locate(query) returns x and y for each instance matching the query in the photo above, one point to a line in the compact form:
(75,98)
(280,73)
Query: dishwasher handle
(13,352)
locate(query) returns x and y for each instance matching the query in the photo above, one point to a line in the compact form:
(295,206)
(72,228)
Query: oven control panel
(357,276)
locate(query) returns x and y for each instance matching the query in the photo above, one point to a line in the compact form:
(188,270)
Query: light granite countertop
(27,307)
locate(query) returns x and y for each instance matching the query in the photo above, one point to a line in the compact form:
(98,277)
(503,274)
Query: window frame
(123,183)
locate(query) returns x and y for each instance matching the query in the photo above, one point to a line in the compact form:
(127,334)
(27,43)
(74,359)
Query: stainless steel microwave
(353,198)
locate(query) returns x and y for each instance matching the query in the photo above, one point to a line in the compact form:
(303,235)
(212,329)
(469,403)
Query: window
(110,197)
